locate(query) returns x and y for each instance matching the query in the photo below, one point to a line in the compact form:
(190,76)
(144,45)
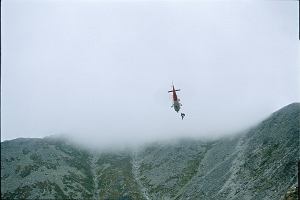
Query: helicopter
(176,100)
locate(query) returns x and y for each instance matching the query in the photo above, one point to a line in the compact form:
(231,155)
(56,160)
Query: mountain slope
(115,177)
(258,164)
(261,164)
(44,168)
(268,163)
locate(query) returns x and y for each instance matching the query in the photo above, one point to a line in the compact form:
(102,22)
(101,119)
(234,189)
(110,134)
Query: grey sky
(102,69)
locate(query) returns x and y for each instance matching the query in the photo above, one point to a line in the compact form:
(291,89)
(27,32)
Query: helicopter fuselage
(176,103)
(176,106)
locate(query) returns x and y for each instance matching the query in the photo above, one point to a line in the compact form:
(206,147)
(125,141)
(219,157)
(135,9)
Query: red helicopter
(176,100)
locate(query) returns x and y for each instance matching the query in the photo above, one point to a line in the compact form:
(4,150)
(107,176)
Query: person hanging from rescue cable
(182,115)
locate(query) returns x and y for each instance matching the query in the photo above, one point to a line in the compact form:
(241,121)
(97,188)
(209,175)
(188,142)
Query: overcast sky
(100,70)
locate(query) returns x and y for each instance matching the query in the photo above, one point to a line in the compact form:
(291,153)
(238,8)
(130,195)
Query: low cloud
(99,72)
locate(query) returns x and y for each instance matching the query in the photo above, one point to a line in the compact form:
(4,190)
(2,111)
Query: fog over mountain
(99,71)
(260,163)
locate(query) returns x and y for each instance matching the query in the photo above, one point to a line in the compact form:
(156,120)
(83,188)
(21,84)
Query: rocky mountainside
(258,164)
